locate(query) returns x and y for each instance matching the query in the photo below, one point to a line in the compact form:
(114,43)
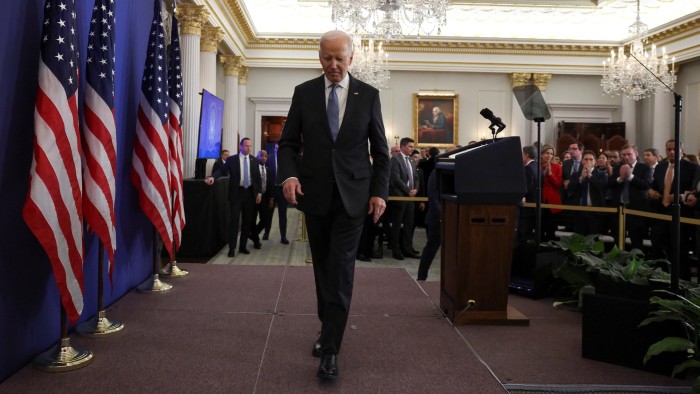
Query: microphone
(495,121)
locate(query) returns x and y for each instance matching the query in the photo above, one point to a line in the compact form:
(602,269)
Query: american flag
(53,208)
(99,129)
(175,94)
(150,162)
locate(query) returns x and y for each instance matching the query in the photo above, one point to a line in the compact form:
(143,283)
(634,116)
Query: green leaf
(687,364)
(668,344)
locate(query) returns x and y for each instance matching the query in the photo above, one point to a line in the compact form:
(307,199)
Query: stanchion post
(303,237)
(621,227)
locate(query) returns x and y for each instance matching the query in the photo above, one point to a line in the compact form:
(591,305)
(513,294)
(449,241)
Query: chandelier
(370,65)
(637,79)
(389,18)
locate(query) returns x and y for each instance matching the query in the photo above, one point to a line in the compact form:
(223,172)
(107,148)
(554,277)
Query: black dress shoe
(231,253)
(362,257)
(285,241)
(412,255)
(257,245)
(328,369)
(397,256)
(266,237)
(316,351)
(244,251)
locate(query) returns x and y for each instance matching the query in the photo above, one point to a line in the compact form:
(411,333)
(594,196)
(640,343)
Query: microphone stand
(675,206)
(538,187)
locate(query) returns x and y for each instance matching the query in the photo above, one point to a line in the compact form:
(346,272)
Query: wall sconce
(396,139)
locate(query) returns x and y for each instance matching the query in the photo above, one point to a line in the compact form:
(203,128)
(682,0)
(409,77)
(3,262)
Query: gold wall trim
(240,20)
(211,37)
(191,18)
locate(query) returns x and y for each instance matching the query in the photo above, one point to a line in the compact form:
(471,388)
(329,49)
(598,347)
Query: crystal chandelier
(625,75)
(389,18)
(370,65)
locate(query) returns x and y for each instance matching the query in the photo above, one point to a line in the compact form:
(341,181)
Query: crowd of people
(610,179)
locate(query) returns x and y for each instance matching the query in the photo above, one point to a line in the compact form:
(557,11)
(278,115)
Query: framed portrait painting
(435,120)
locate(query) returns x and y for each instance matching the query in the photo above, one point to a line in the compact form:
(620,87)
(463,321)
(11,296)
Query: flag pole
(62,356)
(171,269)
(100,326)
(155,285)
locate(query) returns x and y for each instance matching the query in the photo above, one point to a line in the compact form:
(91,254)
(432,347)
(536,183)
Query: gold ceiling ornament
(242,74)
(191,18)
(541,79)
(519,79)
(211,37)
(231,64)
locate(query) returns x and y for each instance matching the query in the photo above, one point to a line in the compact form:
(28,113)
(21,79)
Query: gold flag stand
(63,357)
(155,284)
(100,325)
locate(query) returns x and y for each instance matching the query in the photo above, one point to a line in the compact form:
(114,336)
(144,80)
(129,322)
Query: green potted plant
(685,311)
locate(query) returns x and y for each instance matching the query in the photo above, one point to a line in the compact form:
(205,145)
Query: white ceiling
(580,21)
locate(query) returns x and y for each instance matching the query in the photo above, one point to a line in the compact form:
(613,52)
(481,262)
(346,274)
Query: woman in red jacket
(551,184)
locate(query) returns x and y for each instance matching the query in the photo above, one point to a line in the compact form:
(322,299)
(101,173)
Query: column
(664,120)
(211,36)
(541,80)
(191,18)
(242,125)
(519,126)
(231,110)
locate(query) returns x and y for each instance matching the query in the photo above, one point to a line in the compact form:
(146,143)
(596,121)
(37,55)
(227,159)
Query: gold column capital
(211,37)
(191,18)
(243,74)
(540,80)
(519,79)
(231,63)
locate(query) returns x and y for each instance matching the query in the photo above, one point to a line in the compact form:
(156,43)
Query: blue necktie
(246,180)
(333,111)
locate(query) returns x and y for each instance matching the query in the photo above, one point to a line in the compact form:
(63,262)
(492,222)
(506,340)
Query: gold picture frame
(435,119)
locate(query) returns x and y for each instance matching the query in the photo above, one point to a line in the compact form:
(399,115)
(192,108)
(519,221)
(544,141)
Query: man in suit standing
(403,182)
(220,161)
(244,191)
(279,201)
(527,216)
(589,187)
(663,197)
(336,121)
(632,179)
(262,210)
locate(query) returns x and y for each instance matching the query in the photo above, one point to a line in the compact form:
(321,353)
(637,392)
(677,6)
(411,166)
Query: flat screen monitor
(211,119)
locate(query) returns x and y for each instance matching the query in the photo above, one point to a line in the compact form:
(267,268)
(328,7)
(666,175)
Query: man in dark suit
(631,181)
(244,191)
(589,187)
(526,216)
(403,182)
(262,210)
(279,201)
(220,161)
(336,120)
(663,197)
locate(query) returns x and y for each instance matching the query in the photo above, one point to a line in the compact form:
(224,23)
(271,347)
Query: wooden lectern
(481,186)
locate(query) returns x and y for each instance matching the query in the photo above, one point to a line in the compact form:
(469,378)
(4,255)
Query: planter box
(531,271)
(610,333)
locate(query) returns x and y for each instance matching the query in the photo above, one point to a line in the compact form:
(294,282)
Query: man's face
(575,152)
(416,157)
(407,149)
(336,57)
(262,157)
(588,160)
(246,147)
(629,156)
(224,155)
(649,159)
(395,150)
(671,151)
(614,157)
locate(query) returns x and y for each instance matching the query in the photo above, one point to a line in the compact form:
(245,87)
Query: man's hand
(377,206)
(690,199)
(653,194)
(412,192)
(421,206)
(291,187)
(258,198)
(209,180)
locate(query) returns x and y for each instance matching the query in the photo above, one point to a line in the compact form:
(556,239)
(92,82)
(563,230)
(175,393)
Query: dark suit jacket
(567,195)
(399,176)
(269,183)
(687,173)
(638,197)
(217,165)
(345,161)
(597,184)
(232,168)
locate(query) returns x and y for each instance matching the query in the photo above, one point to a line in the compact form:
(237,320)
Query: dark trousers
(662,245)
(263,212)
(333,239)
(281,204)
(402,213)
(587,223)
(369,233)
(242,209)
(432,231)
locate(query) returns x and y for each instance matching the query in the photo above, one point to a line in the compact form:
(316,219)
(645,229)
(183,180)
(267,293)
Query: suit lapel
(350,104)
